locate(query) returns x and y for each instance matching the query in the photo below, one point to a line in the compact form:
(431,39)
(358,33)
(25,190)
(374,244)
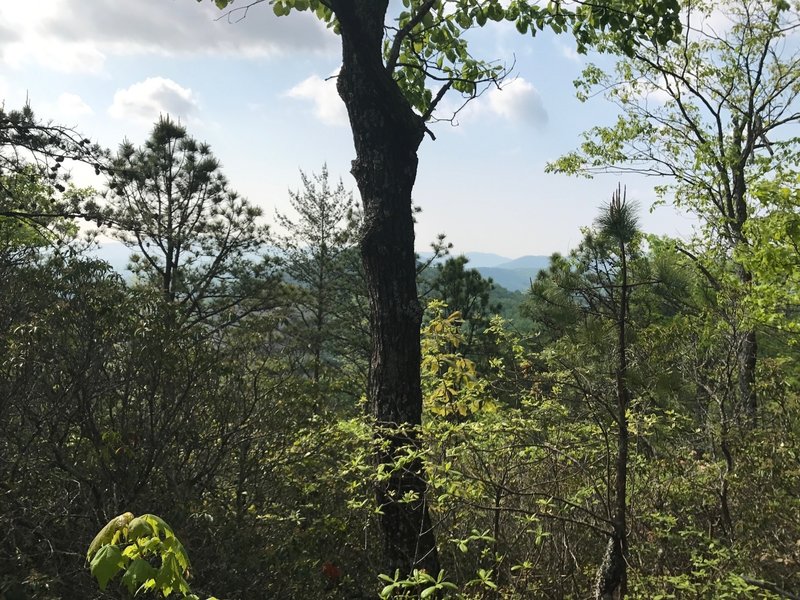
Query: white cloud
(71,36)
(328,106)
(716,23)
(655,92)
(658,96)
(72,105)
(518,101)
(155,96)
(30,42)
(568,52)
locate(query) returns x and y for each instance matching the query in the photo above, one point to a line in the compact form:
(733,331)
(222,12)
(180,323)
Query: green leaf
(170,575)
(159,525)
(137,574)
(139,528)
(107,562)
(280,9)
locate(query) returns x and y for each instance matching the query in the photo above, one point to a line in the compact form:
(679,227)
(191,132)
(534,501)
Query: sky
(260,91)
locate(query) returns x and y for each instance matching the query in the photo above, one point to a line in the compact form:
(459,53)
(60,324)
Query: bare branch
(711,279)
(402,34)
(436,99)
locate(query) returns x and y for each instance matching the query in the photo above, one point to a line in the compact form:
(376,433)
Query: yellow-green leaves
(773,256)
(140,574)
(139,528)
(450,382)
(417,582)
(282,8)
(147,553)
(109,534)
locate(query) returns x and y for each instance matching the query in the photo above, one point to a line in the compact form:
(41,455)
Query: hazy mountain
(485,259)
(512,274)
(511,279)
(476,259)
(536,263)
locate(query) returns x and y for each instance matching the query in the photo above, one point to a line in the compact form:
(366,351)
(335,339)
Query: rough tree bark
(387,134)
(737,214)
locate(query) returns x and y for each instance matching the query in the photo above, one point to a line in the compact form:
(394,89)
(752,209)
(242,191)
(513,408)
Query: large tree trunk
(387,134)
(738,214)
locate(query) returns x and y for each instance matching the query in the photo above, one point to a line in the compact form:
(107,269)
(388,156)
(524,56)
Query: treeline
(200,388)
(634,433)
(222,387)
(215,385)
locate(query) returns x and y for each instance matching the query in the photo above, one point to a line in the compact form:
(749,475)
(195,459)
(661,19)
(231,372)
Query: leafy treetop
(425,44)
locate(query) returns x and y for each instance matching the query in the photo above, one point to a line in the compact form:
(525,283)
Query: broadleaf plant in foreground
(145,552)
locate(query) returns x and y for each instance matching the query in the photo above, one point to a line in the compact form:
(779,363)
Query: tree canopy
(606,447)
(191,233)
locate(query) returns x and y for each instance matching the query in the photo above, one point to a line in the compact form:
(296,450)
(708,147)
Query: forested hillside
(296,406)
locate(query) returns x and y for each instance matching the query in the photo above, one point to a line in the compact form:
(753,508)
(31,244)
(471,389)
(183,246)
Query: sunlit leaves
(419,582)
(131,546)
(109,534)
(704,113)
(774,256)
(451,385)
(140,574)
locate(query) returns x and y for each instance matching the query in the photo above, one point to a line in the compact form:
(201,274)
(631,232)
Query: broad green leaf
(139,528)
(159,525)
(106,563)
(137,574)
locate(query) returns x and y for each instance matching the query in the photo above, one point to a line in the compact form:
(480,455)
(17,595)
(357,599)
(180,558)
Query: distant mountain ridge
(514,274)
(526,262)
(485,259)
